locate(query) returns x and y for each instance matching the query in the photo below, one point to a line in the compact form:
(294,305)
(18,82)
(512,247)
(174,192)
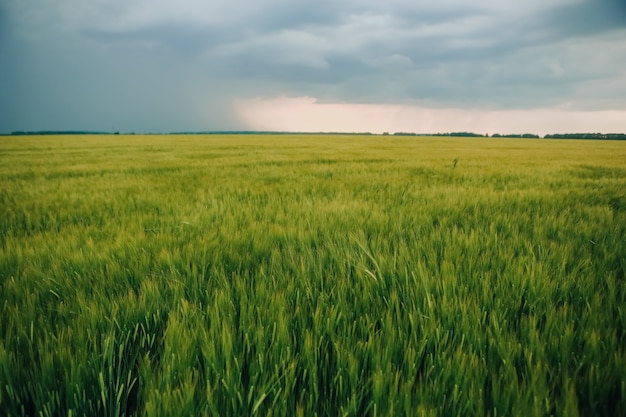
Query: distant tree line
(593,136)
(597,136)
(523,135)
(456,134)
(603,136)
(58,132)
(267,132)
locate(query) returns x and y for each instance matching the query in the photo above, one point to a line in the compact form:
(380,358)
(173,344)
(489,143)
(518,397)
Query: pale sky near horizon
(486,66)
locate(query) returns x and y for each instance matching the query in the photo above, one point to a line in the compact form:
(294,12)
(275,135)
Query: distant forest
(593,136)
(596,136)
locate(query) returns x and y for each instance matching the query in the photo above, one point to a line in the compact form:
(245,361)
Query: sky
(485,66)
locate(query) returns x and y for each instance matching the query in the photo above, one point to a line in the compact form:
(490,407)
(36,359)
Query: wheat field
(312,275)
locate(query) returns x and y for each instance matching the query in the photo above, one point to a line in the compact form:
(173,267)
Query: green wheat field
(319,275)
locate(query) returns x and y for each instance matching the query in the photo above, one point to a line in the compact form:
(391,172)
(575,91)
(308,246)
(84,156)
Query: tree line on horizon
(591,136)
(595,136)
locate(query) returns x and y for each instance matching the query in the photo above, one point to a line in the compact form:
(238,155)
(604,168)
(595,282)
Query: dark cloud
(586,18)
(298,14)
(184,41)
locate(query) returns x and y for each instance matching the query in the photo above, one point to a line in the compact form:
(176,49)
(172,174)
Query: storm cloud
(156,65)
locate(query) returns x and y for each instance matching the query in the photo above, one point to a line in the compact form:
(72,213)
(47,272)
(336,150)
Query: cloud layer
(158,65)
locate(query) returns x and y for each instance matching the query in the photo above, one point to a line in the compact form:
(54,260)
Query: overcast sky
(489,66)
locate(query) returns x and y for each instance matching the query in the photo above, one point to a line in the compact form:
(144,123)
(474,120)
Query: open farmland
(312,275)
